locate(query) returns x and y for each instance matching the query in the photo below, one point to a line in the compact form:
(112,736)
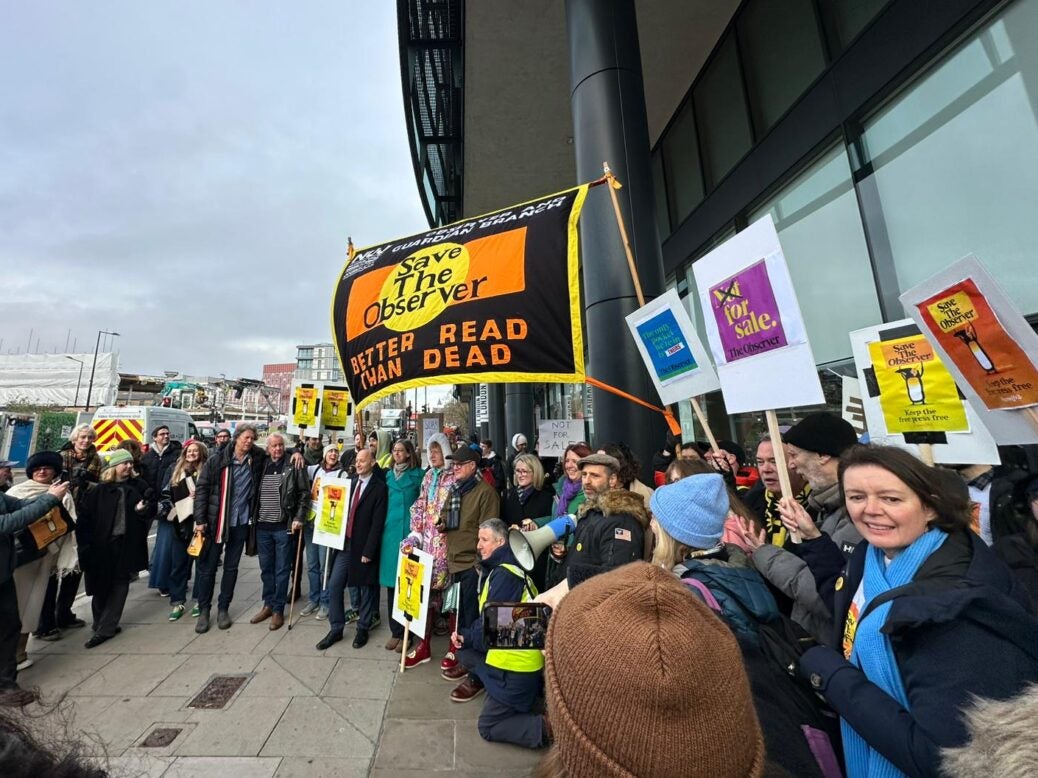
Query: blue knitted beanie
(692,510)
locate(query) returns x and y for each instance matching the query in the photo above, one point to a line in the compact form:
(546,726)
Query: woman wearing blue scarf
(926,616)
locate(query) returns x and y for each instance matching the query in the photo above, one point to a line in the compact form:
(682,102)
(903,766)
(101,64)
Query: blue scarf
(872,651)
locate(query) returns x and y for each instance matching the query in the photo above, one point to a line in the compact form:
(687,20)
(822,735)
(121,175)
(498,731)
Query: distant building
(317,362)
(280,375)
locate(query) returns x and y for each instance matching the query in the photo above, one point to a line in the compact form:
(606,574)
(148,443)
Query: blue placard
(666,346)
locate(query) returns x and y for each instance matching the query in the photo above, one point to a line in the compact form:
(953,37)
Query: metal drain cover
(218,692)
(160,738)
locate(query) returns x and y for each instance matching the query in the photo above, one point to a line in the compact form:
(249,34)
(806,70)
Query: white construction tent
(58,379)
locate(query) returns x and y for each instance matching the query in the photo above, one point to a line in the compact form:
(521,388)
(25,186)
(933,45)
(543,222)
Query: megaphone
(527,546)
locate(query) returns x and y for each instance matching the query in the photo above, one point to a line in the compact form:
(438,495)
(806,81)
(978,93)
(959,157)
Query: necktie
(353,508)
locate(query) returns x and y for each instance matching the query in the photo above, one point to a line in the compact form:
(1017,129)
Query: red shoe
(450,661)
(466,691)
(418,655)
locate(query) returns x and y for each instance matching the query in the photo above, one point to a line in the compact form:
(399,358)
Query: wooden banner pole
(403,648)
(780,462)
(1032,416)
(926,453)
(697,409)
(613,186)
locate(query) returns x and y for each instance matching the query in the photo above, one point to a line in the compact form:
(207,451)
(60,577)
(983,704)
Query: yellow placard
(916,391)
(409,587)
(333,509)
(335,408)
(304,407)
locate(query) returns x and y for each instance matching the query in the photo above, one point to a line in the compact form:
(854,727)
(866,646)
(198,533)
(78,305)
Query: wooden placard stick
(780,462)
(403,647)
(697,409)
(926,453)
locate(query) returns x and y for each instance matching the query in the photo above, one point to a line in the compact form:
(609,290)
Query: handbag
(42,532)
(197,543)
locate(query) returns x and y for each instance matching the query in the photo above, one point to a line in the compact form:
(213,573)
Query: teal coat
(403,491)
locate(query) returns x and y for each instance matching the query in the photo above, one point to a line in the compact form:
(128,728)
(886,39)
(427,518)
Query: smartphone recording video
(515,624)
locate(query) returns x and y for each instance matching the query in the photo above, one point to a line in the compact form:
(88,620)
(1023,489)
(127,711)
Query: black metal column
(518,415)
(496,407)
(609,125)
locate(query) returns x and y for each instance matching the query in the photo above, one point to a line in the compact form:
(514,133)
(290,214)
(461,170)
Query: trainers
(466,691)
(177,612)
(163,593)
(309,609)
(351,616)
(376,623)
(195,610)
(418,655)
(322,613)
(74,623)
(50,635)
(24,663)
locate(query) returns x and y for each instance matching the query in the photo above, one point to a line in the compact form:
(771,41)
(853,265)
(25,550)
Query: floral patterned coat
(425,513)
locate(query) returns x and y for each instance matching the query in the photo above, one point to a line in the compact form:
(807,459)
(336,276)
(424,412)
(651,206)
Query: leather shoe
(455,673)
(202,623)
(223,620)
(467,690)
(329,640)
(277,621)
(264,614)
(96,640)
(361,639)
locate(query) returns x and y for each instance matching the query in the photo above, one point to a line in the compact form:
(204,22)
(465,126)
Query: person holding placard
(177,493)
(404,481)
(426,535)
(763,497)
(317,556)
(357,563)
(927,617)
(814,446)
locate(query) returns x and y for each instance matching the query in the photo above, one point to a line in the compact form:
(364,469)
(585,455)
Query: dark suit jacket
(366,539)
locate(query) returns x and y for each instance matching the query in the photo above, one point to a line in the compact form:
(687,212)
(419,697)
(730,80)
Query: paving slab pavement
(301,713)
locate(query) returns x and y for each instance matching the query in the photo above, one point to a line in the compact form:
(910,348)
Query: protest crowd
(877,621)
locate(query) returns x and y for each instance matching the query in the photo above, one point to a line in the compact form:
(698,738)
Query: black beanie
(822,433)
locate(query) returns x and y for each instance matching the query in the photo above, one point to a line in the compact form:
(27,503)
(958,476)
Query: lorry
(116,424)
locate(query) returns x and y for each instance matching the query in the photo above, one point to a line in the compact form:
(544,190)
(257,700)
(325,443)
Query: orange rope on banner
(672,423)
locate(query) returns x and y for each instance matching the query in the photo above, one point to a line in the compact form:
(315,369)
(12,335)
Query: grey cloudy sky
(187,173)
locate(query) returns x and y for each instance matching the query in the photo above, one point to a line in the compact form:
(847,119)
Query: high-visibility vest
(520,660)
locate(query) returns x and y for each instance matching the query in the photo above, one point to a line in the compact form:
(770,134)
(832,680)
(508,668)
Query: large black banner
(491,299)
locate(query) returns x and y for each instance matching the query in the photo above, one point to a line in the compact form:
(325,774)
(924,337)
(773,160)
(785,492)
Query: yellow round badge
(580,546)
(839,583)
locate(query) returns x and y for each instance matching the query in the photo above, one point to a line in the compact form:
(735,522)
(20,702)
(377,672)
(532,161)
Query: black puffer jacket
(211,493)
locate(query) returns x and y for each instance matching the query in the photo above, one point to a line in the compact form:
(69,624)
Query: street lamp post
(79,381)
(97,345)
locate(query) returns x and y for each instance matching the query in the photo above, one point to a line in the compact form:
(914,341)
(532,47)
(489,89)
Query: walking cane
(295,577)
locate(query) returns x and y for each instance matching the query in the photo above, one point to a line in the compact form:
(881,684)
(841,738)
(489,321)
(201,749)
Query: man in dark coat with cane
(357,563)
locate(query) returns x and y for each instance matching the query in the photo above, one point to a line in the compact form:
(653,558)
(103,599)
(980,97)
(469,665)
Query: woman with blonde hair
(184,474)
(738,513)
(526,502)
(112,534)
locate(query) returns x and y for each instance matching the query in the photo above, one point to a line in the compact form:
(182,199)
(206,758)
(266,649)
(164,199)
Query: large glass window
(724,124)
(781,53)
(850,17)
(955,160)
(681,157)
(819,226)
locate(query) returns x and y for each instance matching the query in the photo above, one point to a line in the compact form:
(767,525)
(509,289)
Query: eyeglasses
(522,471)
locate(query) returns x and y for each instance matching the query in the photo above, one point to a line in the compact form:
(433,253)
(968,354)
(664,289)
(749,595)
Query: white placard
(425,561)
(554,435)
(673,354)
(967,448)
(763,358)
(331,515)
(1007,427)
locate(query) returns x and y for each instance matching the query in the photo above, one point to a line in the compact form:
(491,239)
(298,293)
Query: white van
(115,424)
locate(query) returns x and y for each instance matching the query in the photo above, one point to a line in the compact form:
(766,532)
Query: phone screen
(515,624)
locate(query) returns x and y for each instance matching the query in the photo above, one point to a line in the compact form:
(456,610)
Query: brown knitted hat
(643,680)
